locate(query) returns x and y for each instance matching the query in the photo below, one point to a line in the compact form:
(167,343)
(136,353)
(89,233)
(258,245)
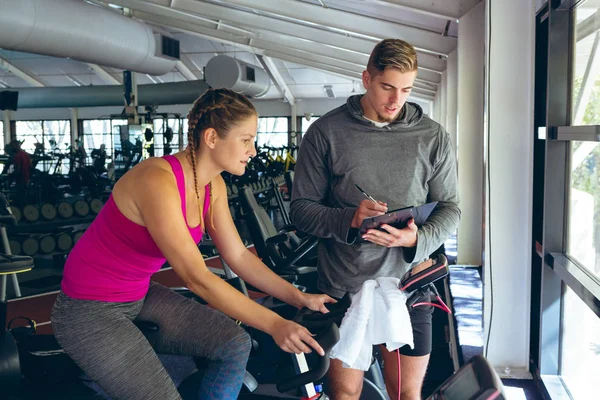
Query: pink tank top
(115,257)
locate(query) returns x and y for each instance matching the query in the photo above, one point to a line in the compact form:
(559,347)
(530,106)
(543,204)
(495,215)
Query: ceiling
(303,44)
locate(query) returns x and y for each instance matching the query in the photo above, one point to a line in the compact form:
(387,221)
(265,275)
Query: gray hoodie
(409,162)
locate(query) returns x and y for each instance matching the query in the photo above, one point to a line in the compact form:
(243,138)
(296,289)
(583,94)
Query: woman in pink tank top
(156,212)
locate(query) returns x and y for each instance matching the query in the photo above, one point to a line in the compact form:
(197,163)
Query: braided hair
(220,109)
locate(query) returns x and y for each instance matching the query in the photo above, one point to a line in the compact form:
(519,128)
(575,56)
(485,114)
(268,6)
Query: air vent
(237,75)
(167,47)
(250,76)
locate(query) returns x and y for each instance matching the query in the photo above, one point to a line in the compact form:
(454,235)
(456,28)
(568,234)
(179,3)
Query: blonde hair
(220,109)
(392,53)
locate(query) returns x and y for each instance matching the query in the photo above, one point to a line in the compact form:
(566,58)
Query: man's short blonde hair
(392,53)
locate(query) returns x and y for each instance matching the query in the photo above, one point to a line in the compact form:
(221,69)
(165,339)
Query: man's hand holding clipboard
(397,228)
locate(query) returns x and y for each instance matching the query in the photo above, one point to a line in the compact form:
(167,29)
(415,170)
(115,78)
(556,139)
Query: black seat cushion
(15,264)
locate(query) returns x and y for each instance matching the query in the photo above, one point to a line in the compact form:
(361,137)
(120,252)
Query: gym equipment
(16,212)
(96,205)
(30,246)
(64,241)
(77,235)
(31,213)
(81,207)
(47,244)
(15,246)
(65,209)
(10,264)
(48,211)
(282,251)
(10,369)
(373,384)
(476,380)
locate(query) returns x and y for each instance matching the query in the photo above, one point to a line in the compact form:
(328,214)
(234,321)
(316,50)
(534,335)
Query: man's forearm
(440,225)
(321,221)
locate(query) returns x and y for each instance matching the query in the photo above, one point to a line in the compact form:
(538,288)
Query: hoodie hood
(410,115)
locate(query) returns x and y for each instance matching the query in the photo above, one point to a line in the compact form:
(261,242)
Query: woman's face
(233,152)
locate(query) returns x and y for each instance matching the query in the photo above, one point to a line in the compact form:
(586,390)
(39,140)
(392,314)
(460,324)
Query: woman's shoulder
(152,173)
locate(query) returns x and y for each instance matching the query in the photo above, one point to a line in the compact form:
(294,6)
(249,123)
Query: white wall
(471,56)
(509,196)
(452,97)
(443,92)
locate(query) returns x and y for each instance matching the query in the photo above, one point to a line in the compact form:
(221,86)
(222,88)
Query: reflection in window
(272,132)
(580,347)
(2,131)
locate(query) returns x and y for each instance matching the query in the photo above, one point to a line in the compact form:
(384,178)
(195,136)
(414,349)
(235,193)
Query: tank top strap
(178,172)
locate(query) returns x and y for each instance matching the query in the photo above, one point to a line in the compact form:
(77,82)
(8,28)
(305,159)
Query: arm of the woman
(247,265)
(158,200)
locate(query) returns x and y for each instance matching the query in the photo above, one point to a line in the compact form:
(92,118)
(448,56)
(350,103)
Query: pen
(367,195)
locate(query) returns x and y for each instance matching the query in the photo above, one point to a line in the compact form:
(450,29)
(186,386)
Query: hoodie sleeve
(443,188)
(308,209)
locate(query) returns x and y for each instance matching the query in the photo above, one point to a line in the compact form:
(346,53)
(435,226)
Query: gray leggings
(102,339)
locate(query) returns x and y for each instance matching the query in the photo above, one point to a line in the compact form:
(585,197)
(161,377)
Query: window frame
(558,269)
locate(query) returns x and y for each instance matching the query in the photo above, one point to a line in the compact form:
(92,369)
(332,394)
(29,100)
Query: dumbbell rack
(49,232)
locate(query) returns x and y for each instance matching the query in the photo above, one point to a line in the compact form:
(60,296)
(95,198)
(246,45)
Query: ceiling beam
(105,75)
(185,71)
(350,23)
(270,29)
(282,52)
(423,88)
(444,9)
(421,93)
(195,69)
(355,57)
(276,77)
(244,44)
(18,72)
(432,85)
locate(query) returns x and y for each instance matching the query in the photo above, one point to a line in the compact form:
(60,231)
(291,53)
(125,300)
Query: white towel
(377,315)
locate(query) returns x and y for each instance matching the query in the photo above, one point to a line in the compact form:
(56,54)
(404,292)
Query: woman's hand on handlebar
(316,302)
(294,338)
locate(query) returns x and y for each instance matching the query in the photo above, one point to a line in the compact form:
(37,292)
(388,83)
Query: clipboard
(398,218)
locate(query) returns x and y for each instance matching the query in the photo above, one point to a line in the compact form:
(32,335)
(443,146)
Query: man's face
(386,93)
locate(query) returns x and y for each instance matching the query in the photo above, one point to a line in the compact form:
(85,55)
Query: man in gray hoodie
(402,158)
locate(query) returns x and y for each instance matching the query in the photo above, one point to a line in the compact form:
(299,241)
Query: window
(98,132)
(580,345)
(306,124)
(586,90)
(2,131)
(272,132)
(30,132)
(41,138)
(567,315)
(160,127)
(584,205)
(58,136)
